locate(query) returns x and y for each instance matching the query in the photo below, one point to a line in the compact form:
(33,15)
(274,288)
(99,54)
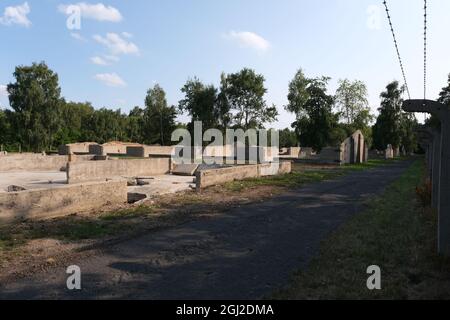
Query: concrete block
(40,204)
(185,169)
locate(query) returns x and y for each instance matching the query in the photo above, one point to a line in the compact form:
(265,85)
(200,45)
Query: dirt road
(244,253)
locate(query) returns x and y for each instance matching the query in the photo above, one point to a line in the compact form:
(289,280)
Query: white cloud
(112,58)
(77,36)
(99,61)
(127,35)
(3,92)
(104,60)
(249,40)
(16,15)
(98,11)
(116,44)
(110,79)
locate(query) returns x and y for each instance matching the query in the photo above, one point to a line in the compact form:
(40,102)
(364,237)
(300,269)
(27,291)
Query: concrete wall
(273,169)
(49,203)
(389,152)
(32,162)
(76,148)
(147,151)
(218,151)
(212,177)
(37,162)
(102,170)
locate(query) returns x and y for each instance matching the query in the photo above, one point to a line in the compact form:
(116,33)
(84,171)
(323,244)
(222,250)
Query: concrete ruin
(352,150)
(389,152)
(213,177)
(438,161)
(77,148)
(88,177)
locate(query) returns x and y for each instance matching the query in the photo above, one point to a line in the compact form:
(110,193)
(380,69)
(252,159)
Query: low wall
(38,162)
(76,148)
(32,162)
(147,151)
(102,170)
(62,201)
(212,177)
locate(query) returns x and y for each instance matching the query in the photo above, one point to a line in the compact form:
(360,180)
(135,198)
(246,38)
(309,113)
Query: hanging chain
(425,51)
(396,48)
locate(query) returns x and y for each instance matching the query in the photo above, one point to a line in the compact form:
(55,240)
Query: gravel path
(244,253)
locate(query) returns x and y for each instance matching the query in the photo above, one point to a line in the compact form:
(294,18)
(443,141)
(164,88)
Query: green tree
(74,118)
(105,125)
(351,100)
(388,128)
(159,118)
(201,103)
(4,129)
(135,125)
(444,98)
(308,100)
(245,92)
(35,97)
(288,138)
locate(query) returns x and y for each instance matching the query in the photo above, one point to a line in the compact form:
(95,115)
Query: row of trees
(40,119)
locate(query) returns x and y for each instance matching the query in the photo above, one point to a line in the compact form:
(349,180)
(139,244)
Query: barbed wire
(397,48)
(425,51)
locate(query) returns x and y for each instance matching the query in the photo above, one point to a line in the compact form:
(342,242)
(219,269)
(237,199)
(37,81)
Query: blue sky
(125,47)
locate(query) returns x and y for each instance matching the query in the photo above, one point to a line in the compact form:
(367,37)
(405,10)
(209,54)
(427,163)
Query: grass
(73,228)
(394,233)
(300,176)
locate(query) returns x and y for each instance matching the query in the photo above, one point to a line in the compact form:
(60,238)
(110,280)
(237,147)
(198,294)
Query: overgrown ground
(28,242)
(396,233)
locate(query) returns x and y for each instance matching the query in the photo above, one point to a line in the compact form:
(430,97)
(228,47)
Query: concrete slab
(32,180)
(160,185)
(185,169)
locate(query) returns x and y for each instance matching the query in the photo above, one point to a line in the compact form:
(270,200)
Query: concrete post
(442,112)
(436,173)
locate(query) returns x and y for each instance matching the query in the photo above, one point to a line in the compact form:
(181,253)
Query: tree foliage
(35,96)
(315,123)
(159,118)
(393,126)
(244,92)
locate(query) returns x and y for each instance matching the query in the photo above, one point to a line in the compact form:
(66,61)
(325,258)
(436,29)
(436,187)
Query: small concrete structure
(389,152)
(113,148)
(442,166)
(40,204)
(353,149)
(143,151)
(293,152)
(77,148)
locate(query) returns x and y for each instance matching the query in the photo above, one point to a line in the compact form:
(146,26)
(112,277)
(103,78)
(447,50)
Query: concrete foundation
(212,177)
(50,203)
(102,170)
